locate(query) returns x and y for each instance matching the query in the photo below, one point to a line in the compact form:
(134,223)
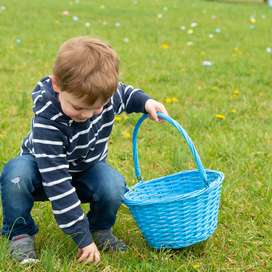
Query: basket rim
(131,201)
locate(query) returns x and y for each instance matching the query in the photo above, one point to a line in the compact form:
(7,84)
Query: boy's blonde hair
(88,68)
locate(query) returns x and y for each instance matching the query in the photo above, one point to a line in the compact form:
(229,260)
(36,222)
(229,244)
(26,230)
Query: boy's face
(77,109)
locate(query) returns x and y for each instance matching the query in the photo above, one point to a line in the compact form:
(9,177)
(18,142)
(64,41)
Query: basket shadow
(197,250)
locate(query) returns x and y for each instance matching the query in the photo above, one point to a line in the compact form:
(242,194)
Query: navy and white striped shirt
(62,147)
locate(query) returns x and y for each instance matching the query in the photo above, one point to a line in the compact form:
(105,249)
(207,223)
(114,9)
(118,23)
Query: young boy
(63,157)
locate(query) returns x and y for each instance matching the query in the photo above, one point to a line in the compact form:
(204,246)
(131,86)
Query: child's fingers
(89,257)
(94,258)
(84,256)
(79,252)
(162,110)
(153,116)
(90,254)
(97,258)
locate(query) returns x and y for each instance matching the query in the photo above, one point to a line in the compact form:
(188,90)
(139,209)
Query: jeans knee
(103,182)
(115,190)
(18,173)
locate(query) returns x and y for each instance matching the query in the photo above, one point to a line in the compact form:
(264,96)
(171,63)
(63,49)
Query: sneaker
(105,240)
(23,249)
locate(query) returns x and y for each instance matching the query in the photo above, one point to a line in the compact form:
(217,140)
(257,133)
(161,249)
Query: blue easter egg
(207,63)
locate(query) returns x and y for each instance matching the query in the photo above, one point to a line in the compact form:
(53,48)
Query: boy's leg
(19,179)
(104,188)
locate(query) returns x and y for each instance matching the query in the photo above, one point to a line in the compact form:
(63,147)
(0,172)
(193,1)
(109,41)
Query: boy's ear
(55,84)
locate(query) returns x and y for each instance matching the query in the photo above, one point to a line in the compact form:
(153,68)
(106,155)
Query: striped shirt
(63,147)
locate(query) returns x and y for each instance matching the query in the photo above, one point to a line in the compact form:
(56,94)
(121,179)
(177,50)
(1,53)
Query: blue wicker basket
(178,210)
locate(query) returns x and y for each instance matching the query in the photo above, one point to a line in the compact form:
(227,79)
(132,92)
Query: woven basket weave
(178,210)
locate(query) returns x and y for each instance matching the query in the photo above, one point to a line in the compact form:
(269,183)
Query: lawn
(225,108)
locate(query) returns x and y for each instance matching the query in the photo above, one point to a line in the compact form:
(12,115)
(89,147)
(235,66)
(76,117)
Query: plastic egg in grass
(207,63)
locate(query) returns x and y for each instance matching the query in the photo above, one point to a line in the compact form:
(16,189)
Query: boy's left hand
(151,107)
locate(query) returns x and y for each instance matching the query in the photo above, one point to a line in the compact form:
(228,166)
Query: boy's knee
(18,171)
(116,189)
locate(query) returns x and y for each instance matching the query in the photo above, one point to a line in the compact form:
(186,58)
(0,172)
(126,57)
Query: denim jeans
(21,185)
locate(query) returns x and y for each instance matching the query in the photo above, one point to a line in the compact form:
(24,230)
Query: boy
(63,157)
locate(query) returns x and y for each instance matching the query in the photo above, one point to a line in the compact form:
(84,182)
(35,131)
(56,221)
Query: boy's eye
(76,108)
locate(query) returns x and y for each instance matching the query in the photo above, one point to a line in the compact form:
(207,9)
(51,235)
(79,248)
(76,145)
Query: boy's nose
(87,114)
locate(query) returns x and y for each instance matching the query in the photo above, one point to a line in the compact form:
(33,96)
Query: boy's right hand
(89,253)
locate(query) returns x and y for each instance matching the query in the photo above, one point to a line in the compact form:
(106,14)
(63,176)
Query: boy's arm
(131,100)
(47,147)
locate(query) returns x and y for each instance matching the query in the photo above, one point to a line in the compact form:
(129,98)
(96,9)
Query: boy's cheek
(69,112)
(98,111)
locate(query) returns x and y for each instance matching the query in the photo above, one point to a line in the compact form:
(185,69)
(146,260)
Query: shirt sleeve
(129,99)
(48,142)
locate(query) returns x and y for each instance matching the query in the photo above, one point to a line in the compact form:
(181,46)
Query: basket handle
(183,133)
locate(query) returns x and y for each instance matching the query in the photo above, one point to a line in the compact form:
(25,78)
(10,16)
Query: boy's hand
(151,107)
(90,254)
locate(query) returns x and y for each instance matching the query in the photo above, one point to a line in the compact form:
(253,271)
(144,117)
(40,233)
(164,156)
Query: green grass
(239,145)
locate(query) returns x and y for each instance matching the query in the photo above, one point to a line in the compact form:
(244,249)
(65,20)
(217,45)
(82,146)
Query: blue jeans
(21,185)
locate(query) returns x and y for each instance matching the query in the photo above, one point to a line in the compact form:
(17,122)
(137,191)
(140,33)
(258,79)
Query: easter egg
(207,63)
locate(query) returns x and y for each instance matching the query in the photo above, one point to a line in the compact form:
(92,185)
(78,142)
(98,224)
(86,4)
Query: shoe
(23,249)
(105,240)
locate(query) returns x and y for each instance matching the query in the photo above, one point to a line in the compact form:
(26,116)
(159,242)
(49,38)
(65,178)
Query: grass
(239,145)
